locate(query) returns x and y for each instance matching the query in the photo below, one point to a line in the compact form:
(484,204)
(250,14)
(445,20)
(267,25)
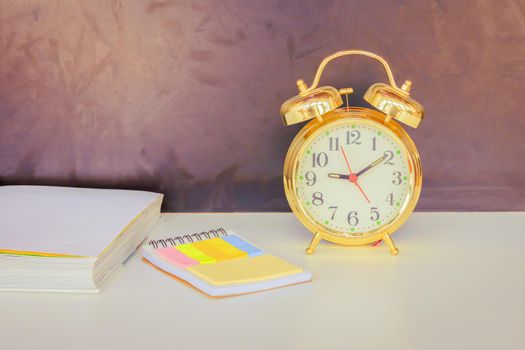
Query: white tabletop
(458,283)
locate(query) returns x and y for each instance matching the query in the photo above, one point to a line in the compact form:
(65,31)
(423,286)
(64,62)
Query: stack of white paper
(70,239)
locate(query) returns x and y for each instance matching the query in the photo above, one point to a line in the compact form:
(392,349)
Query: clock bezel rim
(313,128)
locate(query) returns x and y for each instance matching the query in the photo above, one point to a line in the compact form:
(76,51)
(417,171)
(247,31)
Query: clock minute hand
(374,163)
(346,176)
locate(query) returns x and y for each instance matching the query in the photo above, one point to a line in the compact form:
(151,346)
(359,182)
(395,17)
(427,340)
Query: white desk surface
(458,283)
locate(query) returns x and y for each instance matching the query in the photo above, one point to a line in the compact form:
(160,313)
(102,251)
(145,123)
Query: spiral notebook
(219,262)
(172,241)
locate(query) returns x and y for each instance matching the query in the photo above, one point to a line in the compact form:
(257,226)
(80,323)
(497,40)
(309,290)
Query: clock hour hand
(373,164)
(338,176)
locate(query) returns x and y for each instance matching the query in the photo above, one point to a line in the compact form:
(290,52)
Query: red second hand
(352,177)
(363,192)
(346,160)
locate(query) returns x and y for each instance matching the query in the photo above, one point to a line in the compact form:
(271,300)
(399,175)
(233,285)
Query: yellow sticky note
(249,270)
(209,249)
(190,251)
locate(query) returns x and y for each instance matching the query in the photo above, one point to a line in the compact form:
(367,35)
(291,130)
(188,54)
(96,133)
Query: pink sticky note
(176,257)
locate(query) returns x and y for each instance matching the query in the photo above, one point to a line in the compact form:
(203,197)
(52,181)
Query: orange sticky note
(211,250)
(227,248)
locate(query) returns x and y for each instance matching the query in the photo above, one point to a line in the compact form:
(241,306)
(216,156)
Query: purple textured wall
(183,97)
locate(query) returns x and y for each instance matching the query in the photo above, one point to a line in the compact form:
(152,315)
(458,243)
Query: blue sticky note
(238,243)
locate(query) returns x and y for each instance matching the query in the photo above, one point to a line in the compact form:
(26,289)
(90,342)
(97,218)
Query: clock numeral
(352,218)
(333,213)
(373,143)
(353,137)
(390,199)
(389,155)
(334,143)
(320,159)
(311,178)
(317,199)
(397,178)
(375,214)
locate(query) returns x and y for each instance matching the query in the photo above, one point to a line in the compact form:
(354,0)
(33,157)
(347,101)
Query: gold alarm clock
(352,175)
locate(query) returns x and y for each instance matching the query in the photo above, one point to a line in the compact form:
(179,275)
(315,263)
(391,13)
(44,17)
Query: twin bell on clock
(352,175)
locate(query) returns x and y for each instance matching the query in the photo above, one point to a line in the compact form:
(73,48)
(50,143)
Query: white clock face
(353,178)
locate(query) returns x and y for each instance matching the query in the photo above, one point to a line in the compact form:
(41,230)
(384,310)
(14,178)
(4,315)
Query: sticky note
(211,250)
(239,243)
(227,248)
(174,256)
(193,253)
(240,271)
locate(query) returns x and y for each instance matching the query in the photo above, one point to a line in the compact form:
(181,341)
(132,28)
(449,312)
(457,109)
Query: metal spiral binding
(194,237)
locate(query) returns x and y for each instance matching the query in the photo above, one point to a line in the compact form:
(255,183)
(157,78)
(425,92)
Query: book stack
(70,239)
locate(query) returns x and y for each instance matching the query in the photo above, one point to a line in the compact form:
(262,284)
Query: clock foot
(390,243)
(313,244)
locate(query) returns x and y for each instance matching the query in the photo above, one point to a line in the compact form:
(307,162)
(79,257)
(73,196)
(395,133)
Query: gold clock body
(393,104)
(329,120)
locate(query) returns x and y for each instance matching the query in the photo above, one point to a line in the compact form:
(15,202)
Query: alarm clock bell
(313,102)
